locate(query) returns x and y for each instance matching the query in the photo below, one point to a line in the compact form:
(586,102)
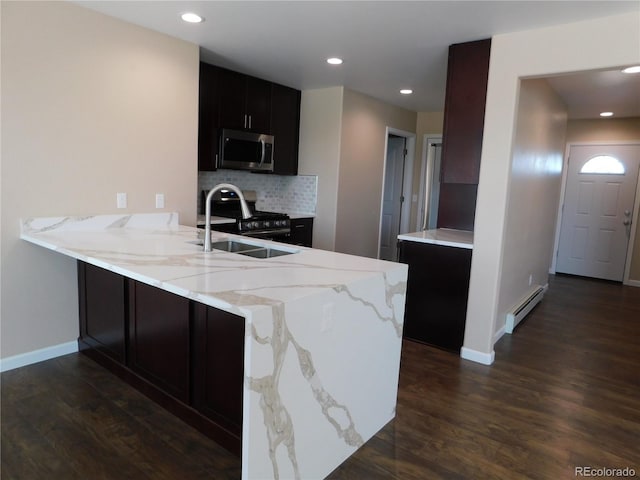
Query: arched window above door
(603,164)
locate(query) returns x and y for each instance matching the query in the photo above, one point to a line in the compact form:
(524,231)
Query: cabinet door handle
(298,226)
(245,120)
(249,122)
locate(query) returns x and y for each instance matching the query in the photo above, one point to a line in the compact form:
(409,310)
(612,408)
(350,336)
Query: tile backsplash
(276,193)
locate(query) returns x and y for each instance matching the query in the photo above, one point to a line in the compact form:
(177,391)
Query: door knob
(626,222)
(627,213)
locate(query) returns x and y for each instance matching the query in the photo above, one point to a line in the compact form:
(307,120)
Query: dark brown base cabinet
(159,338)
(437,291)
(301,232)
(186,356)
(102,299)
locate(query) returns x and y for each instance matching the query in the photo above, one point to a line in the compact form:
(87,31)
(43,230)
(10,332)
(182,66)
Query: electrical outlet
(159,200)
(530,279)
(121,200)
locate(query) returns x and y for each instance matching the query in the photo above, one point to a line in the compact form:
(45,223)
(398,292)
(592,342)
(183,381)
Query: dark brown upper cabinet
(285,127)
(466,95)
(237,101)
(208,137)
(245,102)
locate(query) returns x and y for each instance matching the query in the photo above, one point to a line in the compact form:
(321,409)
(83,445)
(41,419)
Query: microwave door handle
(264,151)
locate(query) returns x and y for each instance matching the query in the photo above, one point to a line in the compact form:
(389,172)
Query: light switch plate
(121,200)
(159,200)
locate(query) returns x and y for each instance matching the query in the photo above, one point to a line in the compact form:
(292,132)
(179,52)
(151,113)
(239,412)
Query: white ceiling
(386,45)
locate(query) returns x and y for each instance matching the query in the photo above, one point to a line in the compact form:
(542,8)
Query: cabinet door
(466,95)
(457,206)
(232,94)
(437,291)
(159,338)
(102,310)
(258,105)
(302,232)
(285,127)
(218,366)
(208,134)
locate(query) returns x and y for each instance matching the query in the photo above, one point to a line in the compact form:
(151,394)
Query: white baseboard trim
(36,356)
(498,335)
(478,357)
(633,283)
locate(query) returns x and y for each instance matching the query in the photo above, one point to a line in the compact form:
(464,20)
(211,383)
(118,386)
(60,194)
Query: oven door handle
(257,233)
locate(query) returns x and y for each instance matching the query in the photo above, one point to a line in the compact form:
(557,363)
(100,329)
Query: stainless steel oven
(265,225)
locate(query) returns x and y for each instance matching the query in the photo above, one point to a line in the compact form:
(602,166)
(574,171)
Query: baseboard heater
(522,308)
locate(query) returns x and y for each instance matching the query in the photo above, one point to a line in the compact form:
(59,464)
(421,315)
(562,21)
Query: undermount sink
(233,246)
(254,250)
(266,253)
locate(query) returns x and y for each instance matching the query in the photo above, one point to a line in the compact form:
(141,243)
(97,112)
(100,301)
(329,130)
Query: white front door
(392,198)
(598,209)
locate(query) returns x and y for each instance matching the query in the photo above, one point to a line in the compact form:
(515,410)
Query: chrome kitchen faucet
(246,211)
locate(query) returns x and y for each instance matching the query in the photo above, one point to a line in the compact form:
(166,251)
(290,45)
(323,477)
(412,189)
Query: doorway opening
(395,212)
(427,215)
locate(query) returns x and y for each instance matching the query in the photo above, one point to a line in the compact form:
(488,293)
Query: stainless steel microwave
(246,151)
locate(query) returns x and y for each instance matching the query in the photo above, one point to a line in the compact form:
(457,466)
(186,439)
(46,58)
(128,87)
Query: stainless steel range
(266,225)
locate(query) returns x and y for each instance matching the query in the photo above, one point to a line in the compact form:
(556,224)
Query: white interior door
(392,198)
(598,208)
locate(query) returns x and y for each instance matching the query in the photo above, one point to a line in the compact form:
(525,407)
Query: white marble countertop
(214,220)
(323,330)
(441,236)
(295,215)
(168,258)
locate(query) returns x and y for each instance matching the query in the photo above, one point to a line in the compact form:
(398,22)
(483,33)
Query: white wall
(91,106)
(342,141)
(604,43)
(533,193)
(362,156)
(319,154)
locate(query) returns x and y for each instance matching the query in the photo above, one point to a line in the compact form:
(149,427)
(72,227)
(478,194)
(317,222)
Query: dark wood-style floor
(564,392)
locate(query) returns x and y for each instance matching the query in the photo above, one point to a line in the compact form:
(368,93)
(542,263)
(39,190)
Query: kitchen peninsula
(319,334)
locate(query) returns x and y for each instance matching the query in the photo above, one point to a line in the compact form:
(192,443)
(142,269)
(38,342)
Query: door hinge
(405,152)
(401,198)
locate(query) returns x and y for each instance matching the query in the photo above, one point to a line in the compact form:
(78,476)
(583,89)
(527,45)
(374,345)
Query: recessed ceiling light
(606,114)
(406,91)
(634,69)
(334,61)
(191,17)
